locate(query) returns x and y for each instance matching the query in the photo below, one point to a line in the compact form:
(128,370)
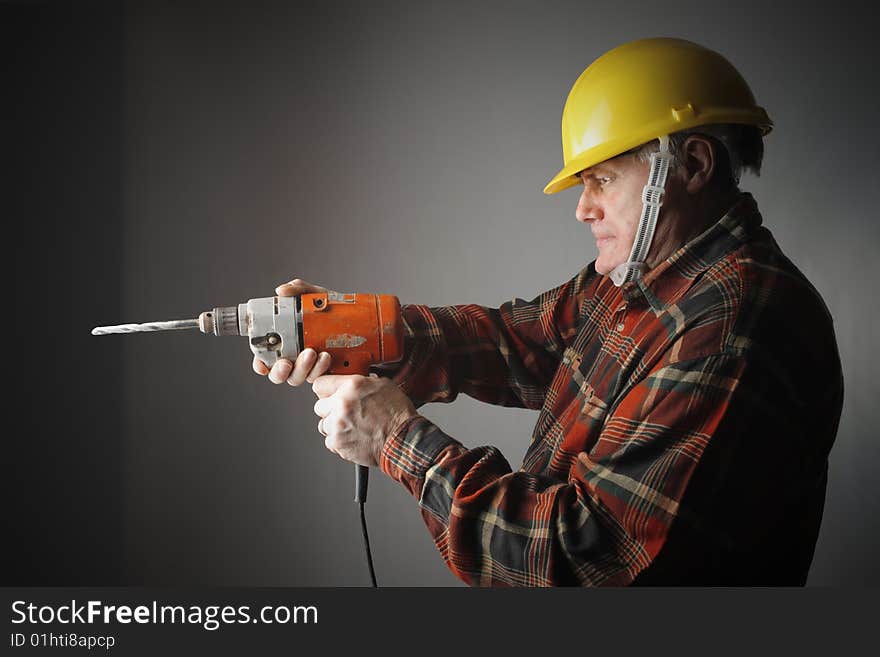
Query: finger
(280,371)
(330,443)
(302,366)
(260,367)
(320,367)
(297,286)
(321,427)
(323,407)
(326,385)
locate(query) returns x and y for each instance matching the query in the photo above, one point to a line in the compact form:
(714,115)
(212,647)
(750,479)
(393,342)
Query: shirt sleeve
(610,519)
(505,356)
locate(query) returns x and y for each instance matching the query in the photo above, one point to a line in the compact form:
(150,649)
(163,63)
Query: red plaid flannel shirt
(684,429)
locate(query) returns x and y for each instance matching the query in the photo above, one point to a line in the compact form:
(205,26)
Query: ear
(700,159)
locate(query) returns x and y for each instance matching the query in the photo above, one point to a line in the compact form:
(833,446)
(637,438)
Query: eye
(595,181)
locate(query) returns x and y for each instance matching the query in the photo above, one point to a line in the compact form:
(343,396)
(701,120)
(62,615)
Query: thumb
(296,287)
(326,385)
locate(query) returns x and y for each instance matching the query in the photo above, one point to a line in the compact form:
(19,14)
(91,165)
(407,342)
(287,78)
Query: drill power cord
(367,546)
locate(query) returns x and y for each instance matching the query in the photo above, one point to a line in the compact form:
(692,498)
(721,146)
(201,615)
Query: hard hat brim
(566,177)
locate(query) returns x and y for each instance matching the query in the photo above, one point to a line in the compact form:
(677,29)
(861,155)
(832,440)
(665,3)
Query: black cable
(367,546)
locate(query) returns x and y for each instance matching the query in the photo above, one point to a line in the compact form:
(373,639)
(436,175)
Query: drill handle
(360,366)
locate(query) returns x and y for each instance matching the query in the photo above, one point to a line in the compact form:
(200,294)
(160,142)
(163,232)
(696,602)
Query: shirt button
(620,327)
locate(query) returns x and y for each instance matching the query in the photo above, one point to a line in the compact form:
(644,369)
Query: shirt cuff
(412,450)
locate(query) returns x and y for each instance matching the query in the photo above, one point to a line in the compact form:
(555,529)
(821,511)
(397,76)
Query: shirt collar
(666,282)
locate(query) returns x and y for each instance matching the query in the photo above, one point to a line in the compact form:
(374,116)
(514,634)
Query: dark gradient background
(165,158)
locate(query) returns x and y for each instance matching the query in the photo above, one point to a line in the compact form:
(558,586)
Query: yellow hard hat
(642,90)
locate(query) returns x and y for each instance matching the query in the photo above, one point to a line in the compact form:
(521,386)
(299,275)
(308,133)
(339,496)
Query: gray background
(173,157)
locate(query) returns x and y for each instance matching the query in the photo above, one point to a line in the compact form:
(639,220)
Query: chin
(602,267)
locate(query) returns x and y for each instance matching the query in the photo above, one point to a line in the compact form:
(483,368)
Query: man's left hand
(358,413)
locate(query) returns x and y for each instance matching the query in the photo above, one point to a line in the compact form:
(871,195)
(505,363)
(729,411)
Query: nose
(587,209)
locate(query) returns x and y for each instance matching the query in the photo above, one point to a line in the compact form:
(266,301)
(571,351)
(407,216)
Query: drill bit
(174,325)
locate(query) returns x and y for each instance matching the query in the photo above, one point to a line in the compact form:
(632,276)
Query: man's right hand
(309,364)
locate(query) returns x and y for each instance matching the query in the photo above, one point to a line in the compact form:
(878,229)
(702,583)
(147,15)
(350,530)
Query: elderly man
(688,379)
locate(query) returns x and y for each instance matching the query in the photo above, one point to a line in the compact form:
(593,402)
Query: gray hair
(743,146)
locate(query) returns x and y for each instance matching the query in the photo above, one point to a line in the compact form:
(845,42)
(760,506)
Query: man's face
(611,203)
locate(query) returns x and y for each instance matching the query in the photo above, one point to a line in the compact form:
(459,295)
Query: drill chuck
(220,321)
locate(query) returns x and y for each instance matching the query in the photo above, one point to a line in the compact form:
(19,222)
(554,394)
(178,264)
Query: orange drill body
(357,330)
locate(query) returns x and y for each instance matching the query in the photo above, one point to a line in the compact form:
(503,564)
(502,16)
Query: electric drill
(357,330)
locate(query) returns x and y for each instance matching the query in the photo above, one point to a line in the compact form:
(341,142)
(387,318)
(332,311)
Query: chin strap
(652,199)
